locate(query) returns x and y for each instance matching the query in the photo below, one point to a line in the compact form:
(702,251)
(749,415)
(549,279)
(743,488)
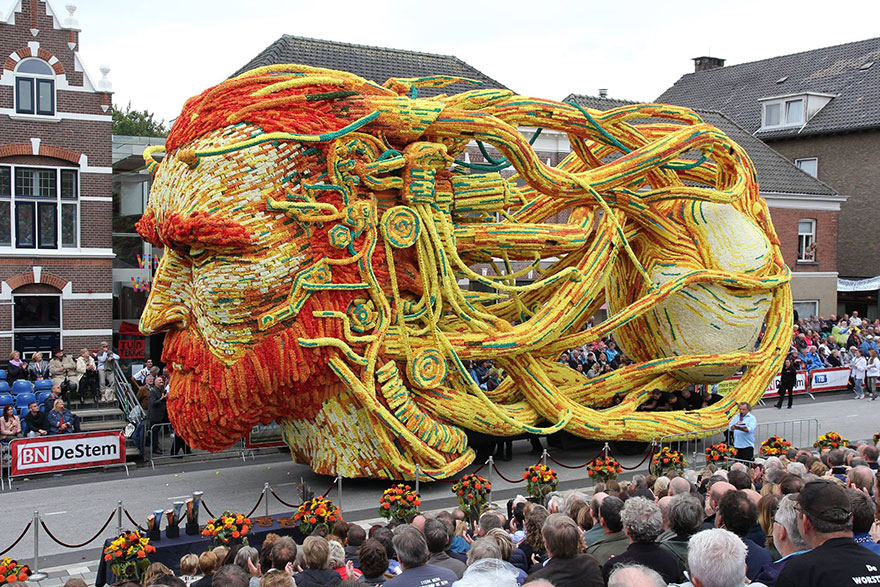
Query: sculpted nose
(166,307)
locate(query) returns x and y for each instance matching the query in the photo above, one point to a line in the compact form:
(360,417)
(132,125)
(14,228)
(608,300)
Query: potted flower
(667,460)
(774,446)
(12,571)
(830,441)
(398,502)
(228,528)
(314,512)
(540,480)
(719,453)
(472,491)
(127,555)
(604,468)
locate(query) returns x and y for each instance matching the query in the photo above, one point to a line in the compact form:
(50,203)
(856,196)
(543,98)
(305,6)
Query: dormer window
(34,88)
(783,113)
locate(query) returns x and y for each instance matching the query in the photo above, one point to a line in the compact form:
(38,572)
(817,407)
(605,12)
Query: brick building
(55,199)
(819,109)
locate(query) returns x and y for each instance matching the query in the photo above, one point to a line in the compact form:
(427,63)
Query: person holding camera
(62,369)
(106,374)
(86,373)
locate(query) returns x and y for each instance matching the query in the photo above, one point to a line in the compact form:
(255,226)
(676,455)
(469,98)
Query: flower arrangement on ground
(775,446)
(12,571)
(540,480)
(830,441)
(227,528)
(314,512)
(398,502)
(666,460)
(719,453)
(472,491)
(604,468)
(127,555)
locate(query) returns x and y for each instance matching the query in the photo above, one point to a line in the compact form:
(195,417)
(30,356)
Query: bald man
(679,485)
(716,492)
(861,478)
(595,534)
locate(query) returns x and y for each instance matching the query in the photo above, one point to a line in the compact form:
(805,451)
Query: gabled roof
(776,174)
(841,70)
(372,63)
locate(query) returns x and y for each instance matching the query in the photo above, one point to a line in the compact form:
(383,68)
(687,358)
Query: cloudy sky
(161,52)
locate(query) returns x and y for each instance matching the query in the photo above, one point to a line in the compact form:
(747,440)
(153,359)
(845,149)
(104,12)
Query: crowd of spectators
(796,519)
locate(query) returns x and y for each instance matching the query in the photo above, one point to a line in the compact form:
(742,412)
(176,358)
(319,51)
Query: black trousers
(745,454)
(783,389)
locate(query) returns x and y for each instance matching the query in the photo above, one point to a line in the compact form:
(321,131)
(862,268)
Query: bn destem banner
(49,454)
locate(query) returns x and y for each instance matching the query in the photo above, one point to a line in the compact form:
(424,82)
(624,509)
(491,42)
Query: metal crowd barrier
(161,437)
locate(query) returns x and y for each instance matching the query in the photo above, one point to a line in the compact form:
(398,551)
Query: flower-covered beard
(213,404)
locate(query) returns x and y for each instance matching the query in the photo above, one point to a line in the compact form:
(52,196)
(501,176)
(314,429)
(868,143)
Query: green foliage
(138,123)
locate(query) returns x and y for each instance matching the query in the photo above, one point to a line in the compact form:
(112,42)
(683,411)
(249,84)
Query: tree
(139,123)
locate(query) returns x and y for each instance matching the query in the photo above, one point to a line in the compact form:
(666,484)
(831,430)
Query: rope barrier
(290,505)
(648,455)
(447,480)
(564,466)
(500,474)
(329,489)
(65,545)
(256,505)
(17,540)
(207,511)
(133,521)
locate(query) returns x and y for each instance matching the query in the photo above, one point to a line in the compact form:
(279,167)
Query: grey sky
(161,52)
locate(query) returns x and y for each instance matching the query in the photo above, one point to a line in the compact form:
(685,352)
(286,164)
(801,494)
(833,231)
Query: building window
(806,308)
(809,165)
(34,88)
(36,323)
(783,113)
(45,204)
(806,240)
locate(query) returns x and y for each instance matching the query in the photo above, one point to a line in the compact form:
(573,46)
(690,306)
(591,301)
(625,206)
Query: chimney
(707,63)
(603,92)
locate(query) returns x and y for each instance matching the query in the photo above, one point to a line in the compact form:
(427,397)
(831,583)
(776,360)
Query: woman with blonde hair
(38,369)
(154,571)
(189,568)
(767,507)
(316,556)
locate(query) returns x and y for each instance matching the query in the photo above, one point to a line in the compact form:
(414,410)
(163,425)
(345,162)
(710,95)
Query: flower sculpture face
(319,230)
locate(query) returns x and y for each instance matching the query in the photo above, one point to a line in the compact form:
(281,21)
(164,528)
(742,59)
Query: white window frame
(784,106)
(809,242)
(815,311)
(35,79)
(814,160)
(32,330)
(59,202)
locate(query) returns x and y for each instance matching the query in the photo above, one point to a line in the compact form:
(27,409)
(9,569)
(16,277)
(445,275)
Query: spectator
(17,368)
(412,552)
(316,559)
(276,580)
(385,537)
(743,427)
(531,550)
(635,575)
(284,552)
(564,566)
(106,374)
(438,539)
(373,562)
(787,381)
(790,484)
(614,541)
(488,521)
(189,568)
(157,412)
(38,369)
(488,571)
(717,558)
(336,560)
(36,421)
(481,549)
(86,373)
(208,563)
(354,539)
(685,514)
(505,548)
(870,454)
(642,524)
(62,368)
(862,519)
(787,540)
(169,581)
(824,517)
(141,376)
(230,576)
(872,371)
(737,513)
(767,507)
(10,425)
(857,368)
(60,419)
(595,533)
(861,477)
(247,554)
(154,571)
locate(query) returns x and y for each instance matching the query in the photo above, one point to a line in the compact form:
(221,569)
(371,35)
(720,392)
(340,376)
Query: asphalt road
(75,506)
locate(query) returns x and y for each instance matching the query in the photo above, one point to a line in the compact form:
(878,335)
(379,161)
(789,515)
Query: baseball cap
(104,344)
(826,501)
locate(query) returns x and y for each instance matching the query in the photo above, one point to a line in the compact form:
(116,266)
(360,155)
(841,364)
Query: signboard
(799,387)
(132,344)
(265,436)
(819,380)
(829,379)
(50,454)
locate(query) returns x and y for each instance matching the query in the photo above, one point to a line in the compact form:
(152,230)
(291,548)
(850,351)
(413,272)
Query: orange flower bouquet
(127,555)
(830,441)
(472,492)
(719,453)
(11,571)
(774,446)
(604,468)
(540,480)
(314,512)
(667,460)
(398,502)
(228,528)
